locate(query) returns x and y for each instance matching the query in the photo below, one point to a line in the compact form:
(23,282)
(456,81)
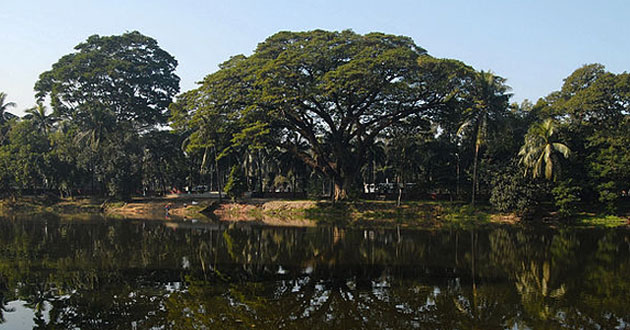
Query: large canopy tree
(334,91)
(128,77)
(111,89)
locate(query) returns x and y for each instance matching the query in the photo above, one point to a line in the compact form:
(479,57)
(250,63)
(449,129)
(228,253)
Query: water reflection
(122,274)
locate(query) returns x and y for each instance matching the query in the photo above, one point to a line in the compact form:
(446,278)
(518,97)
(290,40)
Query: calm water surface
(113,274)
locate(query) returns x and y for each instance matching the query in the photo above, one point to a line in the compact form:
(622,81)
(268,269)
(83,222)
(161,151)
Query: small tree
(236,184)
(513,192)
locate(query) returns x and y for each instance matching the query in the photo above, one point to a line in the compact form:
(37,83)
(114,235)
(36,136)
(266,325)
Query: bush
(566,198)
(607,196)
(513,192)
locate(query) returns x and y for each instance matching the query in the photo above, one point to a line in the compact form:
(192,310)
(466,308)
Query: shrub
(513,192)
(607,196)
(566,198)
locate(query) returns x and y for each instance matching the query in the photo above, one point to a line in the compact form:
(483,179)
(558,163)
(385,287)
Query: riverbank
(422,214)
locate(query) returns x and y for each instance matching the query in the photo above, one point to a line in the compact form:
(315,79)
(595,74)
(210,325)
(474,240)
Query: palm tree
(4,116)
(490,99)
(541,151)
(375,160)
(43,121)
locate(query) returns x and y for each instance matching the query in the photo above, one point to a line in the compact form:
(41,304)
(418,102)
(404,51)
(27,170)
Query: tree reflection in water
(125,274)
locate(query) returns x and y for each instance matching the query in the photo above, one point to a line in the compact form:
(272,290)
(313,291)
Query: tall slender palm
(43,121)
(375,159)
(4,116)
(490,100)
(540,151)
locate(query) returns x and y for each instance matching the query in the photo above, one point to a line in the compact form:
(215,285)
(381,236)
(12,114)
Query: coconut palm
(43,121)
(535,286)
(490,100)
(540,151)
(4,116)
(376,157)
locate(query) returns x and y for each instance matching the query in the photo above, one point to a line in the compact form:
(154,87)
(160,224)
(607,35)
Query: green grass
(426,214)
(31,205)
(386,213)
(599,220)
(463,216)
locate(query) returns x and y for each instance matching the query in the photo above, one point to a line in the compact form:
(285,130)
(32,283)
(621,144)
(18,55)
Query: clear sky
(534,44)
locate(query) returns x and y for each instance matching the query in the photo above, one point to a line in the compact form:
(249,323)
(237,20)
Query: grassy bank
(425,214)
(47,205)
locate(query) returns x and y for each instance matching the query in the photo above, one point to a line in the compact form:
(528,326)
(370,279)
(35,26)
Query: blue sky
(534,44)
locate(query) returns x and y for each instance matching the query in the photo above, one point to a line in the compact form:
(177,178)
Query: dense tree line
(327,113)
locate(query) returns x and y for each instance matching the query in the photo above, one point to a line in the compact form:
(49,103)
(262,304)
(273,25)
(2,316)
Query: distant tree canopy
(593,108)
(112,79)
(334,92)
(105,95)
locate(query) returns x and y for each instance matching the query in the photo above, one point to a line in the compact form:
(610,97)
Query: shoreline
(295,213)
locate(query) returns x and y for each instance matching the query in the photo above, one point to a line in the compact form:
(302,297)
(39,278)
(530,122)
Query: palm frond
(464,126)
(561,148)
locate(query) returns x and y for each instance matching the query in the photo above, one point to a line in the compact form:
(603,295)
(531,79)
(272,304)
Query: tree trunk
(190,176)
(293,184)
(340,192)
(211,179)
(216,167)
(400,189)
(331,190)
(474,187)
(259,167)
(457,190)
(341,188)
(323,186)
(92,174)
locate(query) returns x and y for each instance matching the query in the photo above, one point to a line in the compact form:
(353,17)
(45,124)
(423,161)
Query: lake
(122,274)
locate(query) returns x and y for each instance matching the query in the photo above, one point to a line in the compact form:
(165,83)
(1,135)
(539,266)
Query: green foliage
(609,163)
(607,195)
(592,106)
(6,173)
(337,109)
(540,151)
(23,165)
(122,164)
(566,198)
(121,78)
(235,186)
(163,162)
(4,106)
(487,107)
(106,94)
(609,221)
(64,170)
(335,92)
(513,192)
(464,216)
(43,121)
